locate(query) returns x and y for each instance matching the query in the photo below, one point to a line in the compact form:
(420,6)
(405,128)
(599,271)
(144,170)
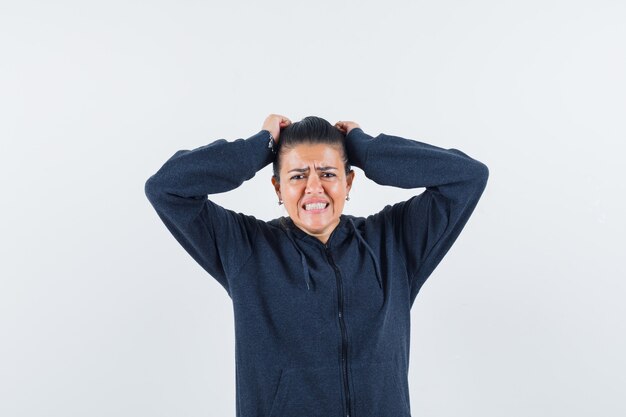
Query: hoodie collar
(345,225)
(340,229)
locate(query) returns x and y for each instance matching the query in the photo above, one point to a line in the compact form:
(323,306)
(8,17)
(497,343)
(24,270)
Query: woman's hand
(346,127)
(273,123)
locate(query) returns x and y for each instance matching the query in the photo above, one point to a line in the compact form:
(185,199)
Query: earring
(347,198)
(280,202)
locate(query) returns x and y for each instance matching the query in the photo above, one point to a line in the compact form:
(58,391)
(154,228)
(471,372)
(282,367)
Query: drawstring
(305,267)
(371,252)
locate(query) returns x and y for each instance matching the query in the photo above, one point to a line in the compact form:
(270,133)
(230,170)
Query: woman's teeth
(315,206)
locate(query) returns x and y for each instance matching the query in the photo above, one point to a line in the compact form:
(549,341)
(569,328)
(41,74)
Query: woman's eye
(324,175)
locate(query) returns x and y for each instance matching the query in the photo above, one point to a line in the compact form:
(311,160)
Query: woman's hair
(311,130)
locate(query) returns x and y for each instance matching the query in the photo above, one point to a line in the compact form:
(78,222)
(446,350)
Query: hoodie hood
(346,225)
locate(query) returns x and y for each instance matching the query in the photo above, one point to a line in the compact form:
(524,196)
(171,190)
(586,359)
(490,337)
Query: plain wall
(101,311)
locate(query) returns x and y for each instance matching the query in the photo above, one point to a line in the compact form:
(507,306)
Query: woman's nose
(313,184)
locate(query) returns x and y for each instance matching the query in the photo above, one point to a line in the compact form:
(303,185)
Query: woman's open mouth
(315,207)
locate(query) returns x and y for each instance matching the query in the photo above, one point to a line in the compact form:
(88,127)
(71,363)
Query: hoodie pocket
(310,392)
(380,391)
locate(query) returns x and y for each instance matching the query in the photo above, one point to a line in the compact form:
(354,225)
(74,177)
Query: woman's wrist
(271,142)
(357,144)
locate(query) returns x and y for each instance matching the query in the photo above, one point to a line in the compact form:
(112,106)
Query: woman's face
(313,186)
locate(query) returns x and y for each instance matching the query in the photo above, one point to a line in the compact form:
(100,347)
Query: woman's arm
(425,226)
(217,238)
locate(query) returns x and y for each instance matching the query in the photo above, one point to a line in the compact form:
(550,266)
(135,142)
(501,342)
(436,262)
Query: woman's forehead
(319,153)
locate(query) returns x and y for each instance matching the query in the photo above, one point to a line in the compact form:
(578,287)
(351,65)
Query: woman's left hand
(346,127)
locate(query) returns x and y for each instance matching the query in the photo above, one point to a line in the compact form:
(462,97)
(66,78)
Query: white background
(102,313)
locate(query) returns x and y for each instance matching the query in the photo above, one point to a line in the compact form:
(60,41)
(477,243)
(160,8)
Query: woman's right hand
(273,123)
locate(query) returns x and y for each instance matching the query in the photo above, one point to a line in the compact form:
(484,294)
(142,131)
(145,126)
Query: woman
(321,299)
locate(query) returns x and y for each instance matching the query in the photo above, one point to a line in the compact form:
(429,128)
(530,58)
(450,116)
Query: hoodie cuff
(357,145)
(260,153)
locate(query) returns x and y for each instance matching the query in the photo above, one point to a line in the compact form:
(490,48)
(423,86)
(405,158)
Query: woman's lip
(315,211)
(314,201)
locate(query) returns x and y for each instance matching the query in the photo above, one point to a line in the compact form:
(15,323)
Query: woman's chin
(319,227)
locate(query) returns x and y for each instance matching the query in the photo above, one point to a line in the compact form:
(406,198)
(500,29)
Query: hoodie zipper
(342,325)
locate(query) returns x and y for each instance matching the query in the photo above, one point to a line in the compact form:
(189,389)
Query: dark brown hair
(310,130)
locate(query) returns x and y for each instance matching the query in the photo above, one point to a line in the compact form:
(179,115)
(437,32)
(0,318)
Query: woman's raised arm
(425,226)
(217,238)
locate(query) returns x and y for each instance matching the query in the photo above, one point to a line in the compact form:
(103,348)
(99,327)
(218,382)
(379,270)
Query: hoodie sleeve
(425,226)
(217,238)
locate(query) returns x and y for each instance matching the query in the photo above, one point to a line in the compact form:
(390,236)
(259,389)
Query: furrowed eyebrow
(306,169)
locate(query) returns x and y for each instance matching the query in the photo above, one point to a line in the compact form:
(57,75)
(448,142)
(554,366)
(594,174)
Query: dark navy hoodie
(321,330)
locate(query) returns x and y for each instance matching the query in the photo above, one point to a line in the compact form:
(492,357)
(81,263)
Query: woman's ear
(349,179)
(276,185)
